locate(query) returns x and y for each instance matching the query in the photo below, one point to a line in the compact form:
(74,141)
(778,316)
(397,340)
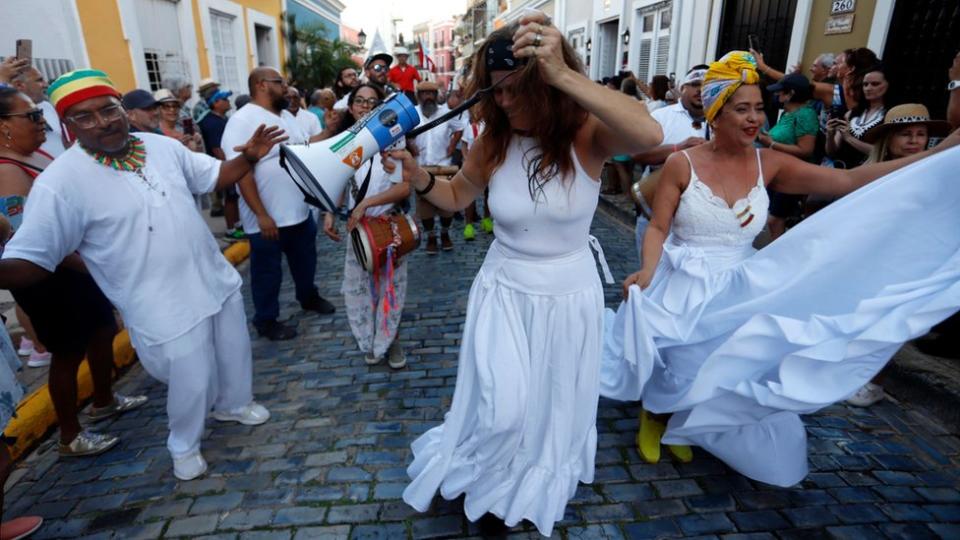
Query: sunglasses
(35,115)
(379,68)
(170,105)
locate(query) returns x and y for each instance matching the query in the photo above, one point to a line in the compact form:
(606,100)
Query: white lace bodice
(705,220)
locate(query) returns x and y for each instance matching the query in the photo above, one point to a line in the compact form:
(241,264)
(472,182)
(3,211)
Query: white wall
(53,25)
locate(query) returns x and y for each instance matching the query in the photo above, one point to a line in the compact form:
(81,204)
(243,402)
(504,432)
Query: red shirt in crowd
(403,76)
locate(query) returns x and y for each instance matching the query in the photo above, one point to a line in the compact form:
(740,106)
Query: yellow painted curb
(35,414)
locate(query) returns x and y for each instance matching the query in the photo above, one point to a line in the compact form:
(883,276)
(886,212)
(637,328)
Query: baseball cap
(138,99)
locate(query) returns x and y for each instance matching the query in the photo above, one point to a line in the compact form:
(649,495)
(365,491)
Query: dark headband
(500,56)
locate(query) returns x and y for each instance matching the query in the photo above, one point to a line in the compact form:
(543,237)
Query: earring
(6,133)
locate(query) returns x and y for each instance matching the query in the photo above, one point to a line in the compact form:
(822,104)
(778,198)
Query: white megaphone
(322,170)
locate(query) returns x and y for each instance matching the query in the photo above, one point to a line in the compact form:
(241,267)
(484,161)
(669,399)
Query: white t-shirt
(471,131)
(146,246)
(282,198)
(380,181)
(54,143)
(433,144)
(343,103)
(309,122)
(677,125)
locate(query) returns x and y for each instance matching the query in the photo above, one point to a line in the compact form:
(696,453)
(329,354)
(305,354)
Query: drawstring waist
(564,274)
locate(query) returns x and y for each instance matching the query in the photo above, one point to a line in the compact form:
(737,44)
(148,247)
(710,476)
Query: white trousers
(639,231)
(208,367)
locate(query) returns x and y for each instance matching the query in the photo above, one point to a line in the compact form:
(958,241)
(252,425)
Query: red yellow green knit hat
(79,85)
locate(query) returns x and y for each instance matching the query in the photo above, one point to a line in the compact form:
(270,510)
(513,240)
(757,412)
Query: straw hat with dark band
(908,114)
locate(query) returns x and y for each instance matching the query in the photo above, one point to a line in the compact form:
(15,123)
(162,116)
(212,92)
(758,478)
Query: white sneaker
(395,356)
(26,347)
(189,467)
(867,395)
(252,414)
(371,360)
(39,359)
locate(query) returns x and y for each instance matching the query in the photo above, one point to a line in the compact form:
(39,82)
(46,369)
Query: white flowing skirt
(521,430)
(738,345)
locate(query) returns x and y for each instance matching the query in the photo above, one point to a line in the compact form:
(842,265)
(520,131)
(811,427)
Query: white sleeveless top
(704,220)
(556,222)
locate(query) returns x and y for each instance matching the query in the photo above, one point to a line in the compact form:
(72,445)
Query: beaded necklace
(133,161)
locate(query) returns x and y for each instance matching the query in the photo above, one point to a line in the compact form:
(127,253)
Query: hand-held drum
(373,237)
(644,190)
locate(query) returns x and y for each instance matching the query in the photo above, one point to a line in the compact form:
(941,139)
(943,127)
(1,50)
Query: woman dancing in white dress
(735,345)
(521,431)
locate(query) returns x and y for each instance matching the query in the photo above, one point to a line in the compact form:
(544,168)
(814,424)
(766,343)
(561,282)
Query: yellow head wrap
(736,68)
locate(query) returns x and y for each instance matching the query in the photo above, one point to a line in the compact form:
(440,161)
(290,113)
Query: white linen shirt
(308,122)
(146,246)
(281,197)
(433,144)
(677,125)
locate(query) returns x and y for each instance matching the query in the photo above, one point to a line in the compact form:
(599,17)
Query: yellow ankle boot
(683,453)
(648,438)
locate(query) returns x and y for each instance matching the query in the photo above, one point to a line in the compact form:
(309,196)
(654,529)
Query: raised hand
(259,145)
(538,40)
(11,67)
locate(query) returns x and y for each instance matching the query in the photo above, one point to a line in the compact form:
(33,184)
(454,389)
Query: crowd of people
(724,345)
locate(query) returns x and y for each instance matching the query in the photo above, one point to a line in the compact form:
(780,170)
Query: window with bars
(224,49)
(153,69)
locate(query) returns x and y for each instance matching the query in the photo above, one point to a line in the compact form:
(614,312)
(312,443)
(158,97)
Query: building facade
(144,43)
(319,14)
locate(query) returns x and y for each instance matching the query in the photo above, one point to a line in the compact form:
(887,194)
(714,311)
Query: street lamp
(626,36)
(361,38)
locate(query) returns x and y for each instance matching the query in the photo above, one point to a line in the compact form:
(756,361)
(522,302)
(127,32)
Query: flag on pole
(423,54)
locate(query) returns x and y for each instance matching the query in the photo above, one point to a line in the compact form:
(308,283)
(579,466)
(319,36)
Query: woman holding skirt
(737,344)
(521,430)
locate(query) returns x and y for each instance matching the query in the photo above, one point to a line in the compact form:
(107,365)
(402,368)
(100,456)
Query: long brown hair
(555,117)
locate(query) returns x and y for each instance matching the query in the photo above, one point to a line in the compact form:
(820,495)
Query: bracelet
(424,191)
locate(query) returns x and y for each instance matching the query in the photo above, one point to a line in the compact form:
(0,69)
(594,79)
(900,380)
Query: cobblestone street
(331,462)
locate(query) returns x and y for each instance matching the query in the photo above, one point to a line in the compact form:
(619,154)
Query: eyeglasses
(170,105)
(35,115)
(277,81)
(379,68)
(371,102)
(88,120)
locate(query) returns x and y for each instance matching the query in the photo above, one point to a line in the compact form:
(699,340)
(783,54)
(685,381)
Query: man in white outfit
(435,147)
(124,203)
(683,127)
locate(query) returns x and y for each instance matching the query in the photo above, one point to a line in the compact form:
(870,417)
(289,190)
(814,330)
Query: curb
(35,415)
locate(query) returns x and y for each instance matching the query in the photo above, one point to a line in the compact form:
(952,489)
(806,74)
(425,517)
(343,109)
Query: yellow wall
(202,60)
(817,43)
(109,51)
(272,8)
(106,46)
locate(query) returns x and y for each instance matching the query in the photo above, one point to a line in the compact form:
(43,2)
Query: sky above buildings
(370,15)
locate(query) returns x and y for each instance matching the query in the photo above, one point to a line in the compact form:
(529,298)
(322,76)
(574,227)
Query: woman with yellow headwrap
(737,344)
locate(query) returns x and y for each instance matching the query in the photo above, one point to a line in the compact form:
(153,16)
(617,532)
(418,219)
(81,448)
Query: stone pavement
(330,464)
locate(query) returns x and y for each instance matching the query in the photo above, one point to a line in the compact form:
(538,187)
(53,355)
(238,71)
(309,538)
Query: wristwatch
(953,85)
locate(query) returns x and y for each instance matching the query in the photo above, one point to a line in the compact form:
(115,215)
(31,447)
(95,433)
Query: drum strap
(360,192)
